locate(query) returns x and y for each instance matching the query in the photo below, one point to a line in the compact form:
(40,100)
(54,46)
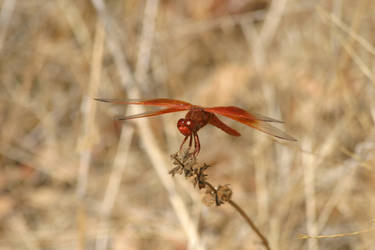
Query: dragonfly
(198,116)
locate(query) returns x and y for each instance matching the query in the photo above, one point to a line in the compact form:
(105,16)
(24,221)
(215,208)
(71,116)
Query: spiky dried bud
(184,163)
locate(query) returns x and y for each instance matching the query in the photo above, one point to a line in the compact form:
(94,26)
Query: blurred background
(72,177)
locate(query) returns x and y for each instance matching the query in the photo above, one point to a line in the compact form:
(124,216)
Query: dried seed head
(185,163)
(209,198)
(224,193)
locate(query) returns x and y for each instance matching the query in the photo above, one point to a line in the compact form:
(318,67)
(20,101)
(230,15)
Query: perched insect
(198,117)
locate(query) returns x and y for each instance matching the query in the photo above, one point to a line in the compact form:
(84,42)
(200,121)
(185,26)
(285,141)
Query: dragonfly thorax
(185,126)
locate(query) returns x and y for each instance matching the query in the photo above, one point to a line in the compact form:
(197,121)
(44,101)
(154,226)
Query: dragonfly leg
(183,142)
(191,140)
(197,144)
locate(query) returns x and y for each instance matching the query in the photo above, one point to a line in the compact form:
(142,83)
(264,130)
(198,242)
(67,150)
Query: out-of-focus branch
(310,198)
(145,43)
(126,76)
(342,26)
(88,110)
(5,16)
(113,186)
(88,134)
(151,146)
(260,42)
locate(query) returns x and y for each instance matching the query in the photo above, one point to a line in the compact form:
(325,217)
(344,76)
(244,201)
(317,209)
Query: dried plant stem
(146,43)
(251,223)
(213,190)
(310,197)
(186,164)
(89,108)
(368,230)
(348,30)
(260,42)
(88,133)
(247,218)
(112,189)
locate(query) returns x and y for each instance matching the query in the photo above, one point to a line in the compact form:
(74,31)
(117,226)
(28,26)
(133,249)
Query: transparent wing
(231,111)
(151,113)
(268,129)
(258,122)
(162,102)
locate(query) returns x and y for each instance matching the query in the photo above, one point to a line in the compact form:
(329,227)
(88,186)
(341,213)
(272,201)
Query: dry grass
(73,178)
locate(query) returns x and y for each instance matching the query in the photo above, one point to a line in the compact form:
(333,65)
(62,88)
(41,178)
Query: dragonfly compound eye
(184,126)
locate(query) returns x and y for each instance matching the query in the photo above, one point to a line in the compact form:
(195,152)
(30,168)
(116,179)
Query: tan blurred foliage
(74,178)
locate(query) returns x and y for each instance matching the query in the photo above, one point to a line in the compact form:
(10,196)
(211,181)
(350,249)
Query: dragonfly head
(185,126)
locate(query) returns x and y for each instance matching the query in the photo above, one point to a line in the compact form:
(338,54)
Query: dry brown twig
(186,164)
(338,235)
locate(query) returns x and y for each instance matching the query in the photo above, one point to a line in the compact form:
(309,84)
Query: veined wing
(231,111)
(151,113)
(258,122)
(267,128)
(215,121)
(162,102)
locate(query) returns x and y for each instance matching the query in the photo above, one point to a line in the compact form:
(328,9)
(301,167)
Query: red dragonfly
(197,117)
